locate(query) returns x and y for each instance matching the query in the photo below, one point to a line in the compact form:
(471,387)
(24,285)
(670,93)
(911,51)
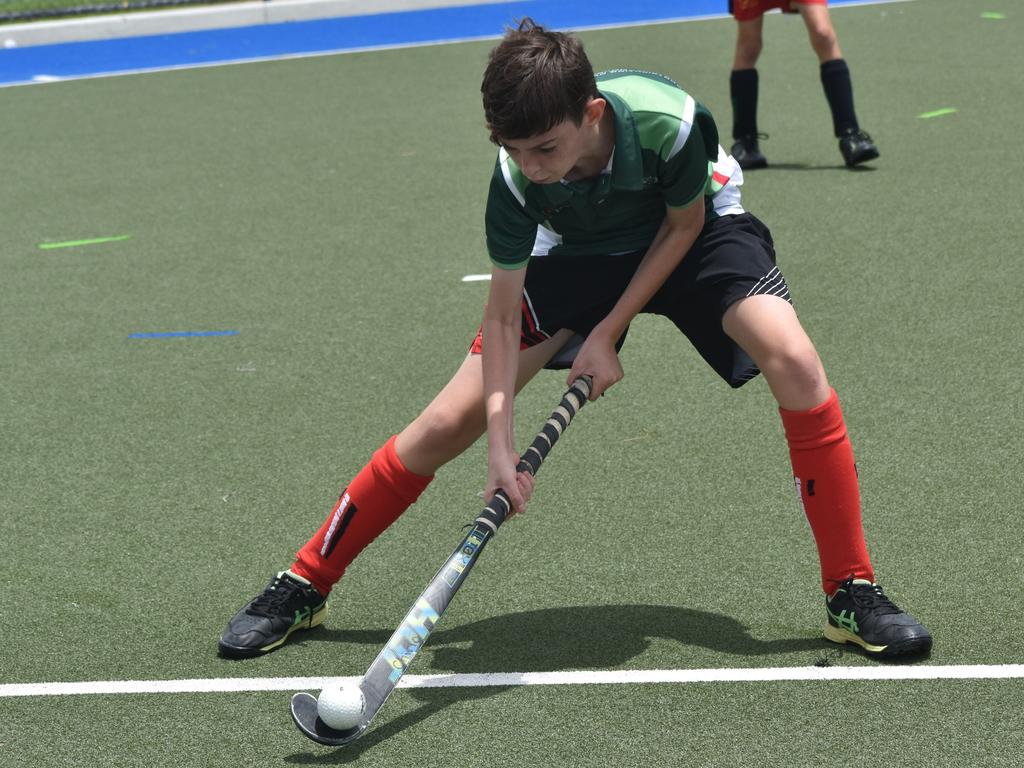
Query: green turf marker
(993,15)
(75,243)
(937,113)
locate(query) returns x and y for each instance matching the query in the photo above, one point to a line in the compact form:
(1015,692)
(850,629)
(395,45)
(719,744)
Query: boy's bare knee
(438,435)
(450,425)
(795,358)
(795,375)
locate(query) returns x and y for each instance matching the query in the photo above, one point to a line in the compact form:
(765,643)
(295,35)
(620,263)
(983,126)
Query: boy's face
(548,157)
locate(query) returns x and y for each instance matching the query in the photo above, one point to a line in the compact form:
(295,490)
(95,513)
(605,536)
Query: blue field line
(179,334)
(97,58)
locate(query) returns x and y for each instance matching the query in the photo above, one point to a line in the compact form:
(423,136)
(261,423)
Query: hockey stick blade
(394,659)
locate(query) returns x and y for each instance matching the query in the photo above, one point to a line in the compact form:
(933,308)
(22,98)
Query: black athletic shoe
(857,147)
(748,153)
(859,612)
(289,603)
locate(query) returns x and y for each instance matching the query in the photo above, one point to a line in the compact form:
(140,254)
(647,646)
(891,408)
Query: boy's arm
(677,233)
(502,325)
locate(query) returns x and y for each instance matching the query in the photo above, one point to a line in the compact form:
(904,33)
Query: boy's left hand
(598,359)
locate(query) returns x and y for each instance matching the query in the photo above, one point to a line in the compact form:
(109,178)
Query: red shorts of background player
(744,10)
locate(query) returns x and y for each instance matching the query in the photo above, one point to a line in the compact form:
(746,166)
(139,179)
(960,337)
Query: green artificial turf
(326,209)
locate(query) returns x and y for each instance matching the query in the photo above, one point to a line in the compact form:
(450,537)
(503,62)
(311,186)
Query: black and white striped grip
(573,400)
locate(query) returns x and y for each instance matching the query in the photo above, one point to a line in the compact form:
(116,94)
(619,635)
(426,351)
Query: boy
(854,144)
(605,185)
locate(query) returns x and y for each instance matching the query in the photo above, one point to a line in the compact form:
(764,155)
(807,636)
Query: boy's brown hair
(535,79)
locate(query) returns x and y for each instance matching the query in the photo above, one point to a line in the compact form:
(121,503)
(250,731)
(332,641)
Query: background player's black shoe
(859,612)
(857,147)
(748,153)
(289,603)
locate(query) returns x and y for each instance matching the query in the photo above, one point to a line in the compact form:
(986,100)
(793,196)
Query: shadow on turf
(580,637)
(806,167)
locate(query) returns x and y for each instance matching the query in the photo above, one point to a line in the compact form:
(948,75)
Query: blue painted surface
(184,49)
(179,334)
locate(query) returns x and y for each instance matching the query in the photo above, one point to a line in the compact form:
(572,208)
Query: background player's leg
(854,144)
(743,91)
(820,31)
(767,328)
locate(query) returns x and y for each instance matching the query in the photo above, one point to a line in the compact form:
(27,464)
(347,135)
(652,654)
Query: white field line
(605,677)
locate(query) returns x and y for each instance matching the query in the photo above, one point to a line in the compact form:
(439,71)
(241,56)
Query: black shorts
(733,258)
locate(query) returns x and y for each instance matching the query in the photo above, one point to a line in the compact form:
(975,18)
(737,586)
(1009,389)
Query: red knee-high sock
(826,479)
(374,499)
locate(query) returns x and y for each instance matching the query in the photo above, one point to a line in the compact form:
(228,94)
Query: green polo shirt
(665,146)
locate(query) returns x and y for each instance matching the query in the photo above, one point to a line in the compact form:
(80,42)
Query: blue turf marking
(95,58)
(180,334)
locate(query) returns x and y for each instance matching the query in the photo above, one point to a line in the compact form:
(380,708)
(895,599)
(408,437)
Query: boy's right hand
(502,473)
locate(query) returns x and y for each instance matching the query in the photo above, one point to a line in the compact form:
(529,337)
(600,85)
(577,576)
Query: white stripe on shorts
(773,284)
(533,315)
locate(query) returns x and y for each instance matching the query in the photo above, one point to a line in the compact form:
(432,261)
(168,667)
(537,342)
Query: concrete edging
(241,14)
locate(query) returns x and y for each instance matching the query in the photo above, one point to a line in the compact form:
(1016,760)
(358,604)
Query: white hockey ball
(341,706)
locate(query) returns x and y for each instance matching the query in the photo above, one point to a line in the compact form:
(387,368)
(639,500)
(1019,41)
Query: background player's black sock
(743,90)
(835,79)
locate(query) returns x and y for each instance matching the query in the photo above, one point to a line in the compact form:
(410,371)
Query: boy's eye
(546,150)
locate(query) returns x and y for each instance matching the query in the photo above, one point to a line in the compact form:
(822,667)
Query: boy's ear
(594,111)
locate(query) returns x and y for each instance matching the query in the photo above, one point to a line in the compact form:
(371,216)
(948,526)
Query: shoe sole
(912,646)
(867,156)
(236,652)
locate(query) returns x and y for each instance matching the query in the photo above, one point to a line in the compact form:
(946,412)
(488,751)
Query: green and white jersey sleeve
(666,154)
(512,227)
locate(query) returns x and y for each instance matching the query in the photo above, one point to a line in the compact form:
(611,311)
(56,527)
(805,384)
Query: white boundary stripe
(603,677)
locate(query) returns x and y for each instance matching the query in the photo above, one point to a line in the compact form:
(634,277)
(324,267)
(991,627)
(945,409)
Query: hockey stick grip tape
(573,400)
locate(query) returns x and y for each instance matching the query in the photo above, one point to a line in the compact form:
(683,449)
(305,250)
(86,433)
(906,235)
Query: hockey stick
(392,662)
